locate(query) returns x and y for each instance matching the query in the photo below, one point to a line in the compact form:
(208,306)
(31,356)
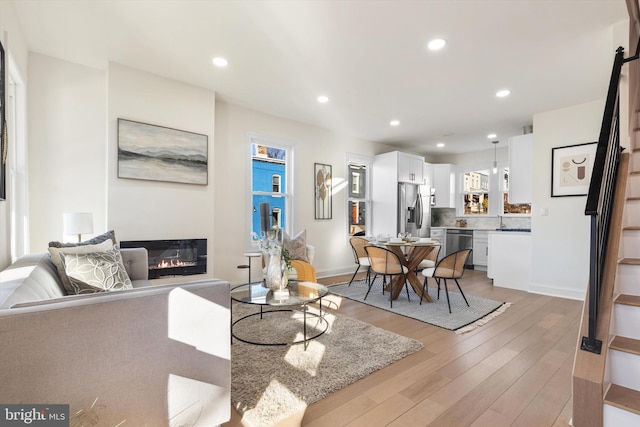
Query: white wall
(67,107)
(73,162)
(561,239)
(15,46)
(150,210)
(477,159)
(312,144)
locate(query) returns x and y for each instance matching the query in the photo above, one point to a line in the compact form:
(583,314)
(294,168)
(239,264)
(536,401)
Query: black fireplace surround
(180,257)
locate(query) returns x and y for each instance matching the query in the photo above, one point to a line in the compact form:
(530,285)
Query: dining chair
(449,267)
(430,260)
(360,256)
(387,263)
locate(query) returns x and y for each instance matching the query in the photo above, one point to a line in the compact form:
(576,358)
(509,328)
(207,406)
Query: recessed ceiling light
(220,61)
(323,99)
(436,44)
(440,144)
(394,122)
(491,135)
(502,93)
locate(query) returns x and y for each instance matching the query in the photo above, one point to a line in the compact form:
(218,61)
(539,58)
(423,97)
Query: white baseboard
(557,292)
(337,271)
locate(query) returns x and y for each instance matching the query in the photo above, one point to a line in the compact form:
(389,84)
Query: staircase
(622,371)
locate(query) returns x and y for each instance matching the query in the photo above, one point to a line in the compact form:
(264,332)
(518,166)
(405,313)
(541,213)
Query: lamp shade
(78,223)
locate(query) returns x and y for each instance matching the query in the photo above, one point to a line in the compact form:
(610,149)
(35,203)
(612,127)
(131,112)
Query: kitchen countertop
(505,230)
(453,227)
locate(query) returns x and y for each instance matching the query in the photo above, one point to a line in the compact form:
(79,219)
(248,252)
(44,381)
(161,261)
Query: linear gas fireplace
(182,257)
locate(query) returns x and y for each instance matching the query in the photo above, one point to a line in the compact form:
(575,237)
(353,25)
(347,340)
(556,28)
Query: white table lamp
(78,223)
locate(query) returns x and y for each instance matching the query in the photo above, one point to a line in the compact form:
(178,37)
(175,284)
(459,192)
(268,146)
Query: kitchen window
(484,193)
(476,192)
(512,208)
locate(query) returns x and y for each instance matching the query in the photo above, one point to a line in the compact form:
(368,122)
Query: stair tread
(630,261)
(623,398)
(626,344)
(628,300)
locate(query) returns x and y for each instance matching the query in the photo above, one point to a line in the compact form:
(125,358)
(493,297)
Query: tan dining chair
(450,267)
(430,260)
(360,256)
(387,263)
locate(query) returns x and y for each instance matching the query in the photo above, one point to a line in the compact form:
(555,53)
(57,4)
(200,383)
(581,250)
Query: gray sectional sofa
(152,355)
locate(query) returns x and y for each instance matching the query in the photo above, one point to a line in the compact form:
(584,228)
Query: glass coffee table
(300,295)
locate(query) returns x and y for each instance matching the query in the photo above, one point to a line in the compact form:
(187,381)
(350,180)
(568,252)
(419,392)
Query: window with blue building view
(269,184)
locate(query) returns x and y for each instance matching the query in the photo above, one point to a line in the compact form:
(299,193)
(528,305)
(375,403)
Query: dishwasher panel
(460,239)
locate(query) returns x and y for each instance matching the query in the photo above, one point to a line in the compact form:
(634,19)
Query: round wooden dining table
(411,254)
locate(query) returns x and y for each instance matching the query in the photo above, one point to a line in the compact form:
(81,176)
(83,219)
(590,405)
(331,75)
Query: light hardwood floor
(513,371)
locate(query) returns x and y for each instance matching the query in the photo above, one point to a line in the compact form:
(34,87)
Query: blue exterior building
(268,177)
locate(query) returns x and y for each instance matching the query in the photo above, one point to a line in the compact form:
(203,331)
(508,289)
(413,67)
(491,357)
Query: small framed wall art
(323,190)
(571,168)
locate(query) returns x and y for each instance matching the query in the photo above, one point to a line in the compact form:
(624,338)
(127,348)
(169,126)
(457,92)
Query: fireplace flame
(171,263)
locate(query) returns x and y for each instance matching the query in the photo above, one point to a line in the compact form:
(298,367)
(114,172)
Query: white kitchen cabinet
(444,183)
(399,166)
(521,169)
(410,168)
(509,263)
(439,234)
(480,249)
(388,169)
(427,174)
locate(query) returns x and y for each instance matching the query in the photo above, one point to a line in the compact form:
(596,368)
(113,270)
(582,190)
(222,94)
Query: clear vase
(273,275)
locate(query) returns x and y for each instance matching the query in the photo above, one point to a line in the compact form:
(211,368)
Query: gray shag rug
(462,318)
(270,383)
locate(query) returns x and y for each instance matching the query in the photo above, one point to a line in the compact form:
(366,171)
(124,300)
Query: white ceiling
(369,57)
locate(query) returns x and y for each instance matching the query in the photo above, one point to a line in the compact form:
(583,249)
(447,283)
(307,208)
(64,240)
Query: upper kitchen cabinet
(410,168)
(427,174)
(521,169)
(444,183)
(403,166)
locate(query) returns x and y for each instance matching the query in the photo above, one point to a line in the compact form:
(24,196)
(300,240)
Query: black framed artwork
(571,168)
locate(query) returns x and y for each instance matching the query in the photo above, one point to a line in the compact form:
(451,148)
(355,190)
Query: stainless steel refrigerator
(414,209)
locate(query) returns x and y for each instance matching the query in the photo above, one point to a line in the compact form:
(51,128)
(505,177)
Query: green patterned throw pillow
(96,271)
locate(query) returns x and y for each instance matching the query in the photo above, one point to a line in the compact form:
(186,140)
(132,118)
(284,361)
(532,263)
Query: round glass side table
(300,295)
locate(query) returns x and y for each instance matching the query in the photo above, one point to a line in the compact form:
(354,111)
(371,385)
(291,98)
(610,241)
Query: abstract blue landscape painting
(159,153)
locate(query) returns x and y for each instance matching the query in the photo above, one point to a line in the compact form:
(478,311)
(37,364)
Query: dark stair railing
(600,198)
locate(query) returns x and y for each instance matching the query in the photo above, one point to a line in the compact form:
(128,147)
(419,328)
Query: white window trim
(495,192)
(18,185)
(367,161)
(290,215)
(509,215)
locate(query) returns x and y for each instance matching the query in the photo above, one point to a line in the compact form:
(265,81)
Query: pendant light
(495,161)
